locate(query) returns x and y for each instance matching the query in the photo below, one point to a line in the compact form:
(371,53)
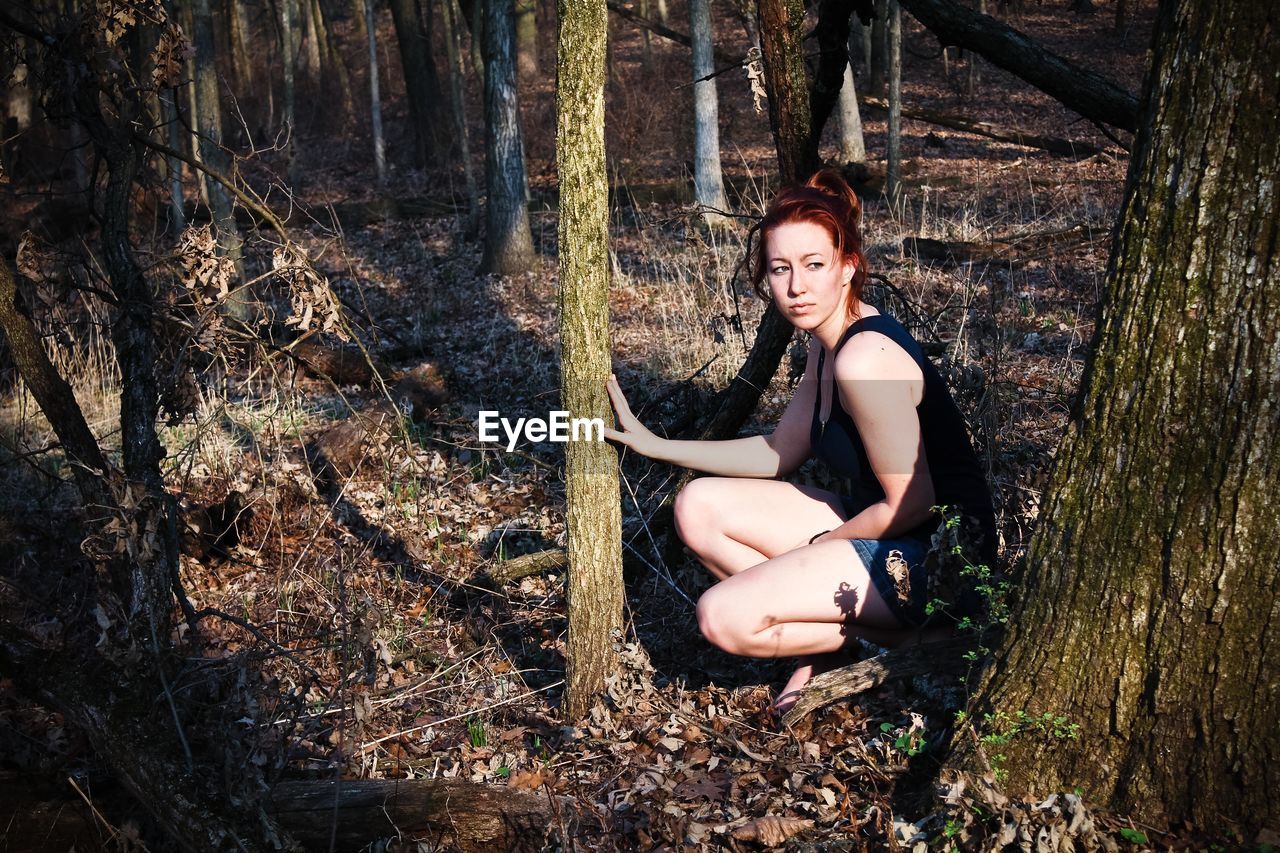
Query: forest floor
(382,650)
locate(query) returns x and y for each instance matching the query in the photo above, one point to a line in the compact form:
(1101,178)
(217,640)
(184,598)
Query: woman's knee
(720,624)
(697,510)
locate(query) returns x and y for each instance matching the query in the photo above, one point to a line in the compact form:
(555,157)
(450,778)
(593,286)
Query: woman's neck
(829,334)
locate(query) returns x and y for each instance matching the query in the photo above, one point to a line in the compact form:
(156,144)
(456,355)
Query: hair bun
(832,183)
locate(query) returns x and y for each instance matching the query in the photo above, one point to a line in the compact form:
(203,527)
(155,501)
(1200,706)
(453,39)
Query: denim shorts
(897,568)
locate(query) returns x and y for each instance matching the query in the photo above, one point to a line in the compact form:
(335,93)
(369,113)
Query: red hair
(826,199)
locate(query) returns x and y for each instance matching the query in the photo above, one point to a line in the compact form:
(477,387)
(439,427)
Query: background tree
(508,245)
(708,182)
(853,146)
(375,96)
(212,153)
(1150,598)
(527,38)
(422,83)
(893,162)
(593,501)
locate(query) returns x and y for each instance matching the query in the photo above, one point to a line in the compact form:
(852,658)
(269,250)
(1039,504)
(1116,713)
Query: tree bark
(508,247)
(782,53)
(1150,598)
(593,513)
(708,182)
(467,816)
(1087,92)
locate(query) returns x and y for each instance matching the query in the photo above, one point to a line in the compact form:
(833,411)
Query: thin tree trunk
(240,59)
(645,36)
(853,148)
(454,56)
(375,100)
(708,182)
(334,67)
(289,57)
(879,48)
(508,247)
(173,167)
(593,501)
(422,85)
(1148,612)
(310,28)
(833,58)
(973,57)
(527,38)
(893,170)
(213,154)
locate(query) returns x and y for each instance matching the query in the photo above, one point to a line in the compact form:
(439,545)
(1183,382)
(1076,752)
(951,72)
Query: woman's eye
(778,270)
(815,265)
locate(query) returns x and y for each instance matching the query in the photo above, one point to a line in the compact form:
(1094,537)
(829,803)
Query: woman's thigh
(770,516)
(825,583)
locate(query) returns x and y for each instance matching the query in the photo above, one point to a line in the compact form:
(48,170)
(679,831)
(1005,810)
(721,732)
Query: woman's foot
(810,665)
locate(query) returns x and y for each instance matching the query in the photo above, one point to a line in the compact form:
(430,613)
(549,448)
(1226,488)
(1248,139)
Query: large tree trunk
(708,182)
(1087,92)
(1150,600)
(508,246)
(593,501)
(782,54)
(212,154)
(422,84)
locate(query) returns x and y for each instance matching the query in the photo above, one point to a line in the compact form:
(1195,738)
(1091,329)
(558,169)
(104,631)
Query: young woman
(802,570)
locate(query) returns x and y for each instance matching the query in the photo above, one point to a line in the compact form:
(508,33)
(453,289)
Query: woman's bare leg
(732,524)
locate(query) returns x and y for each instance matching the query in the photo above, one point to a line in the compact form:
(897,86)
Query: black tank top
(958,480)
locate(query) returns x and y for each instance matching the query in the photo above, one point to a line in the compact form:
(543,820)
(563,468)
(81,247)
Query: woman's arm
(763,456)
(880,386)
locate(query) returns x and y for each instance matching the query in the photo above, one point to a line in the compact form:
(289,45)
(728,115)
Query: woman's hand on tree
(630,433)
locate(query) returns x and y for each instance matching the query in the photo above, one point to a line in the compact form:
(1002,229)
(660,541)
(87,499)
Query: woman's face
(808,282)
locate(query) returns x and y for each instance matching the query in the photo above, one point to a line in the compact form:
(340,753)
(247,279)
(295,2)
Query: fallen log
(351,814)
(1014,250)
(528,564)
(658,29)
(1053,144)
(943,656)
(1087,92)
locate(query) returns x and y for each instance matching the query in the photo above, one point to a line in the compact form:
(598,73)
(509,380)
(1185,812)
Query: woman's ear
(850,267)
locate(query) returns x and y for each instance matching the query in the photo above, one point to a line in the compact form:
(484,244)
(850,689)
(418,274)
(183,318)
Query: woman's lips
(801,306)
